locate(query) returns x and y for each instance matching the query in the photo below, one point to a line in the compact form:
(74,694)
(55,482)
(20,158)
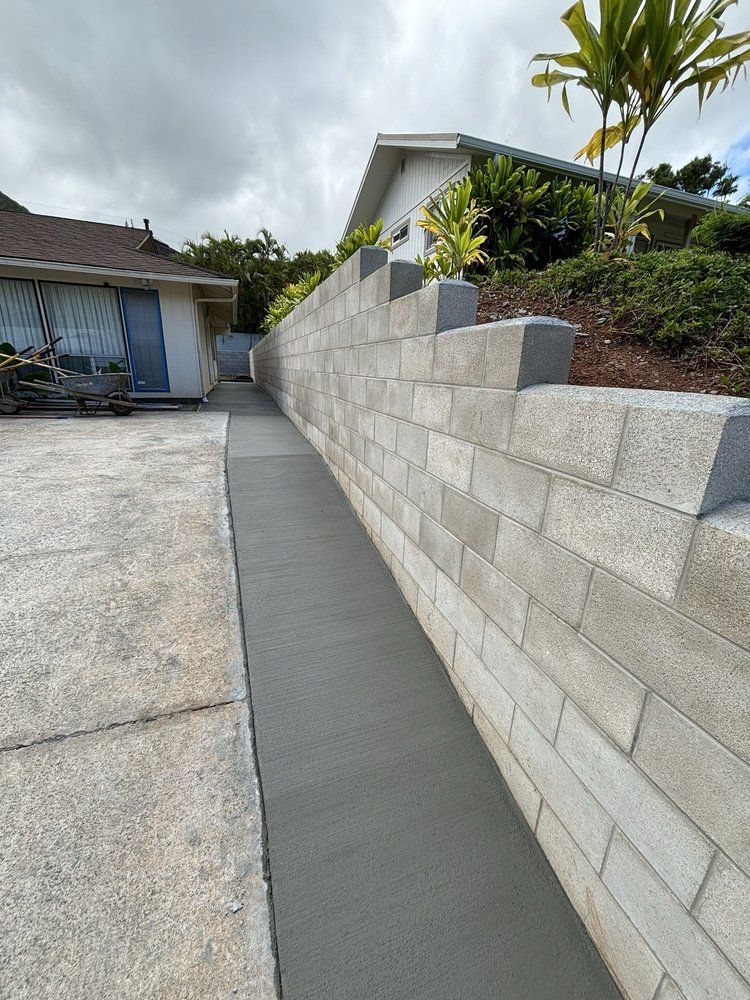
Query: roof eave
(51,265)
(473,144)
(438,141)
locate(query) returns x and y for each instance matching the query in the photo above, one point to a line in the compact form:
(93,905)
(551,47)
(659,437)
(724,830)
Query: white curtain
(87,317)
(20,322)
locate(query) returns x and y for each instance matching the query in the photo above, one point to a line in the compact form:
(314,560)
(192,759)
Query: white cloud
(237,115)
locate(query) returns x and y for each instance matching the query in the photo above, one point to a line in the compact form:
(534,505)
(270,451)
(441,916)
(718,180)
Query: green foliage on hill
(694,303)
(723,230)
(7,204)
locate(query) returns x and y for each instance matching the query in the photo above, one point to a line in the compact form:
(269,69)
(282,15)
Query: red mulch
(604,353)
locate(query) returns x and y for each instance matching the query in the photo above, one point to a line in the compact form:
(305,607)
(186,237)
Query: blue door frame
(143,380)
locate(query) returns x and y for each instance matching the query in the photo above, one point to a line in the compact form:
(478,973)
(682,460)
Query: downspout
(196,303)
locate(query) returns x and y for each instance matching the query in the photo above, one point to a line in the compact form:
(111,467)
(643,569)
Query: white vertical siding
(178,322)
(423,175)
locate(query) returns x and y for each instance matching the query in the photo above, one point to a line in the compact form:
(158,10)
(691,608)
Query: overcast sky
(236,114)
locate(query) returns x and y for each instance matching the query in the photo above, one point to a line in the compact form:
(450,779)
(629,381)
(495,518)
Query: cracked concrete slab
(131,855)
(130,861)
(116,564)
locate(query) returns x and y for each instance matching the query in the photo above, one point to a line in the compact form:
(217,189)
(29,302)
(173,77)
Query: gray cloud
(229,114)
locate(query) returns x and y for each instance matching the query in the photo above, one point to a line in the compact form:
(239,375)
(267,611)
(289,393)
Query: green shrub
(291,296)
(529,223)
(723,230)
(362,236)
(694,303)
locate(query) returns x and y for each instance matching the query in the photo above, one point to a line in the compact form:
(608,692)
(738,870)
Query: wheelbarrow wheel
(8,407)
(117,408)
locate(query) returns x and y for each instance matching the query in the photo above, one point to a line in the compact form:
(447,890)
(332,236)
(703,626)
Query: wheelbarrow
(104,388)
(91,392)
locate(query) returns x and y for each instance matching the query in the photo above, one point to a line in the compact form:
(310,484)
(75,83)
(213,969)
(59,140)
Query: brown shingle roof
(42,238)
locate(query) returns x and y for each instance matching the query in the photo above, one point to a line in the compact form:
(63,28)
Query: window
(400,235)
(20,319)
(87,317)
(429,241)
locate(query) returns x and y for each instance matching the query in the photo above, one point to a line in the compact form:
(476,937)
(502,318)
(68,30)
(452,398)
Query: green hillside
(8,205)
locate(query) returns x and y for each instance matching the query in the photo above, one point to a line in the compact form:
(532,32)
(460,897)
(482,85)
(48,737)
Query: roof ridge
(65,218)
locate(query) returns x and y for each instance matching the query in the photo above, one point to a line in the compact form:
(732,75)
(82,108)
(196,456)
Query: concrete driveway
(130,826)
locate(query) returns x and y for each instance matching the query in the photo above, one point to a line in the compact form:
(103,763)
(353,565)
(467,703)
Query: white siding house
(114,296)
(415,177)
(404,172)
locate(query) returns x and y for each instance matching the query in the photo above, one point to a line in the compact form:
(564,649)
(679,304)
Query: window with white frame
(400,234)
(429,241)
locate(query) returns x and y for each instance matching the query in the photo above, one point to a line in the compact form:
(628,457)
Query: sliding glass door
(140,307)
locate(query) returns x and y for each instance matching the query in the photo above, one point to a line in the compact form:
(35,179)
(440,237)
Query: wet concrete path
(400,865)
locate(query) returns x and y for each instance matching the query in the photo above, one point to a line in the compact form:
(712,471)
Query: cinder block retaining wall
(580,559)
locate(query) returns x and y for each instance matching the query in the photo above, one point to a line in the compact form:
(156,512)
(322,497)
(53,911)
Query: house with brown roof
(114,296)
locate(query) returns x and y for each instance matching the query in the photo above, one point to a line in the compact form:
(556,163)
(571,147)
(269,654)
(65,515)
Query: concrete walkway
(400,866)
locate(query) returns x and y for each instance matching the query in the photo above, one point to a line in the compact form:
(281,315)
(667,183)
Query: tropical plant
(628,218)
(642,56)
(290,297)
(529,222)
(451,218)
(601,65)
(723,230)
(362,236)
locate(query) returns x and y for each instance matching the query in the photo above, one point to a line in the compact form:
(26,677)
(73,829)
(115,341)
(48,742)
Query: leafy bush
(291,296)
(362,236)
(723,230)
(690,302)
(451,218)
(530,223)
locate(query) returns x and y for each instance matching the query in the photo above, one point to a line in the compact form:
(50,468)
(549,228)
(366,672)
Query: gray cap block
(528,351)
(447,305)
(370,259)
(456,306)
(405,277)
(693,455)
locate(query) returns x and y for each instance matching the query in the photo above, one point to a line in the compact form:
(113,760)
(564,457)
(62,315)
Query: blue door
(140,307)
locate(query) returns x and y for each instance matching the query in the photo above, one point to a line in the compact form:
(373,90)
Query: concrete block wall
(580,560)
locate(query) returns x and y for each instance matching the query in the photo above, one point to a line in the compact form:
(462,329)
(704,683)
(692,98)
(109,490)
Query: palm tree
(600,65)
(644,54)
(683,47)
